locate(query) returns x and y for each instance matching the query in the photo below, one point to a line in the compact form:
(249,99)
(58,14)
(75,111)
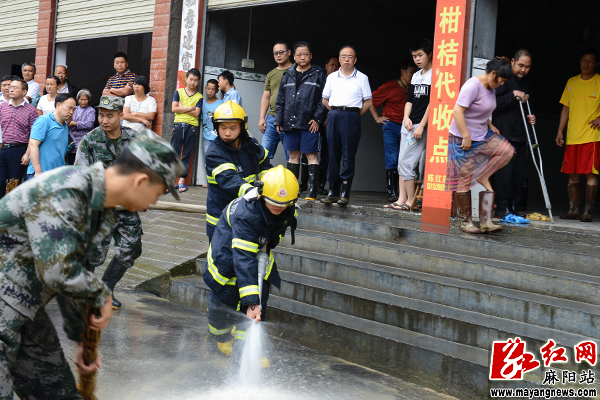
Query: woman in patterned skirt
(475,148)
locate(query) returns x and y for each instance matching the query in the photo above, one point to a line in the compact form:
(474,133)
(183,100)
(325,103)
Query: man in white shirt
(28,70)
(347,96)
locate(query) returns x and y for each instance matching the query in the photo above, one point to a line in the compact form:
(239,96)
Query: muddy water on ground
(154,349)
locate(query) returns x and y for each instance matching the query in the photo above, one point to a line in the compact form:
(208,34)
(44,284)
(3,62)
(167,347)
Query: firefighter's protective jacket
(232,173)
(231,268)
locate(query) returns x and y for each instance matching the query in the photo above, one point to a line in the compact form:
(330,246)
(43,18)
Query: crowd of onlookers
(41,128)
(315,112)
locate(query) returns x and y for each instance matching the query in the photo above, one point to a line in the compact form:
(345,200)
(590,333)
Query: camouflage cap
(159,156)
(111,103)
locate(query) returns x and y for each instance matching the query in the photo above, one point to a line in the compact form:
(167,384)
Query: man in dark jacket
(507,117)
(248,226)
(234,161)
(300,112)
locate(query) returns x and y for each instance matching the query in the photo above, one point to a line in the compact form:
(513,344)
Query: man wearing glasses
(16,120)
(50,137)
(347,95)
(271,138)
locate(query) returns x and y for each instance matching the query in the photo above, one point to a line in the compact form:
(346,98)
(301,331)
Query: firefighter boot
(345,196)
(391,187)
(313,180)
(113,274)
(304,173)
(590,199)
(486,210)
(574,193)
(463,205)
(334,193)
(226,348)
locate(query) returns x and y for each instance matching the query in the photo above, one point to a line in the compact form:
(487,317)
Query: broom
(91,340)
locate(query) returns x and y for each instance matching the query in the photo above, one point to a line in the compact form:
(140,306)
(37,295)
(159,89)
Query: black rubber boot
(304,175)
(313,179)
(345,196)
(334,193)
(113,274)
(502,209)
(391,187)
(322,187)
(295,168)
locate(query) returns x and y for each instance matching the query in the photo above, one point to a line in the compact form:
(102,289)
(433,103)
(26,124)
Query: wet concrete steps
(567,250)
(523,306)
(519,276)
(433,319)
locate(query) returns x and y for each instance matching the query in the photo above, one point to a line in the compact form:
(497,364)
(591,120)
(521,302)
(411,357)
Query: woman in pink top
(475,148)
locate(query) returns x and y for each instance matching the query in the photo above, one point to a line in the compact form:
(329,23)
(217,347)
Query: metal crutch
(540,168)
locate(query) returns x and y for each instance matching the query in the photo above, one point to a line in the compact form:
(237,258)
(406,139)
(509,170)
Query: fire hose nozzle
(263,260)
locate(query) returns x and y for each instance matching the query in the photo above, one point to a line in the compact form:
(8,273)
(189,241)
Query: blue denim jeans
(271,138)
(391,144)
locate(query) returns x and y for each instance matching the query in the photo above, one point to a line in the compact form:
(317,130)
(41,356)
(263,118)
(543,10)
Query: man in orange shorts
(581,108)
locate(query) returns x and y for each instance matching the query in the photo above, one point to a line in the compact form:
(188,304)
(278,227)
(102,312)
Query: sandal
(514,219)
(537,217)
(181,186)
(398,207)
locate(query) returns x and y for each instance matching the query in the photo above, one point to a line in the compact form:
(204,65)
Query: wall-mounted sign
(448,44)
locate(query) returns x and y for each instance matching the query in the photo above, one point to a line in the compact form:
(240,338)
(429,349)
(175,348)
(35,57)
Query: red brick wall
(45,40)
(158,58)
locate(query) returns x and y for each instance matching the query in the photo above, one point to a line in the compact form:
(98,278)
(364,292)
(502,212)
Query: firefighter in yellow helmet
(234,161)
(249,225)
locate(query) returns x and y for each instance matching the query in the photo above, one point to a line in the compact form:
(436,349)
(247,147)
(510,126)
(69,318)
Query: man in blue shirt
(50,137)
(226,86)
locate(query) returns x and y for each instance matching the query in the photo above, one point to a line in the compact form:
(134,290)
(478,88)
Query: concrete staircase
(372,288)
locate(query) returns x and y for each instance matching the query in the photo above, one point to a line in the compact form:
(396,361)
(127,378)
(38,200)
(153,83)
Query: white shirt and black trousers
(346,96)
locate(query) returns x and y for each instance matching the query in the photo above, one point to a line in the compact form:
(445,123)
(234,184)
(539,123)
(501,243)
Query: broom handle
(91,340)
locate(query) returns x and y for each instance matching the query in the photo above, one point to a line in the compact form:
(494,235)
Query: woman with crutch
(475,148)
(508,182)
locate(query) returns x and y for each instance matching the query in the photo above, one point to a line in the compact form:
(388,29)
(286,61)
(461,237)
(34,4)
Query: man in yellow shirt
(581,108)
(187,106)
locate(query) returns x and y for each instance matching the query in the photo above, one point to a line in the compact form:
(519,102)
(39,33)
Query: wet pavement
(154,349)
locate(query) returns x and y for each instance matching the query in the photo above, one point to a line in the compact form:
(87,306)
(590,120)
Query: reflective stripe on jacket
(231,174)
(231,268)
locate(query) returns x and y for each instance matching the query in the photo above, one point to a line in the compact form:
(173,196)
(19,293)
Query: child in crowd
(414,127)
(187,106)
(208,109)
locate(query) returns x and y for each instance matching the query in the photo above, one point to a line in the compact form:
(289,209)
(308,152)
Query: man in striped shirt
(120,84)
(16,119)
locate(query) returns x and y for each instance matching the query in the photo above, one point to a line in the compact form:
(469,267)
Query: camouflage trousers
(128,241)
(32,363)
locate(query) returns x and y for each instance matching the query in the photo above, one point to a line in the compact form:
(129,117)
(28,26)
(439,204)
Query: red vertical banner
(448,58)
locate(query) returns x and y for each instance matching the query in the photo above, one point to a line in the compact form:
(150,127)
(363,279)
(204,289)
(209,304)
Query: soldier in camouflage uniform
(48,227)
(104,144)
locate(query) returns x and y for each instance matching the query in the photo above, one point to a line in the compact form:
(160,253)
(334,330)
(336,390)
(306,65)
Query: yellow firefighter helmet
(230,111)
(279,187)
